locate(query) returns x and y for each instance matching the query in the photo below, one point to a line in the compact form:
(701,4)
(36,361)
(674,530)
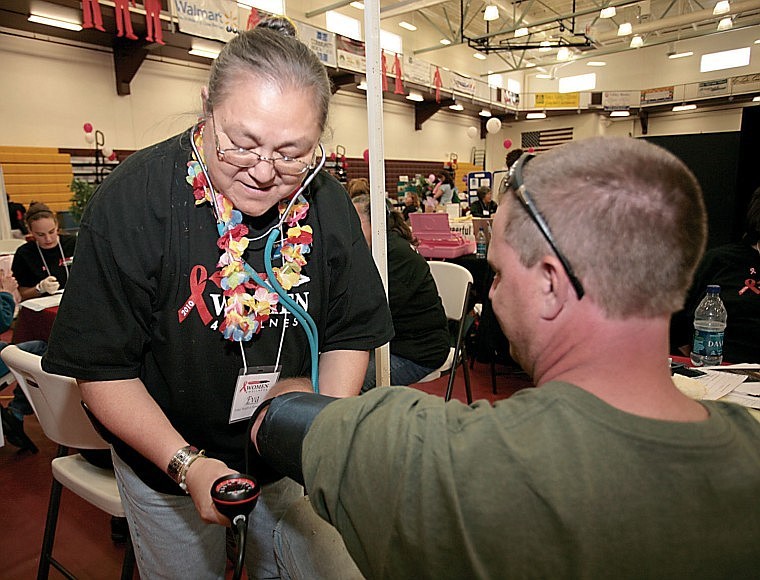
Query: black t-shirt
(146,250)
(419,320)
(480,209)
(736,268)
(29,268)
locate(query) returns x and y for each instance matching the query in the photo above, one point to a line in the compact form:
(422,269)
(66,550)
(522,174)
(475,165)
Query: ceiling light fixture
(625,29)
(415,96)
(535,116)
(637,41)
(362,86)
(563,53)
(721,7)
(68,25)
(620,114)
(445,41)
(479,55)
(456,107)
(596,63)
(485,113)
(608,12)
(675,55)
(204,52)
(357,5)
(726,23)
(405,24)
(679,108)
(543,76)
(521,32)
(545,46)
(491,13)
(756,99)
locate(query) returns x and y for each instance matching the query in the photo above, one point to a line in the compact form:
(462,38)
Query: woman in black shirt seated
(421,340)
(484,206)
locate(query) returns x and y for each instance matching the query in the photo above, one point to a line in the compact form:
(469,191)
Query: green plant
(82,192)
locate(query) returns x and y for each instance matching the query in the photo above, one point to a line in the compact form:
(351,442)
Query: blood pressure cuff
(280,437)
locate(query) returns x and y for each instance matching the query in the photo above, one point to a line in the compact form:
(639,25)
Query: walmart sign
(207,18)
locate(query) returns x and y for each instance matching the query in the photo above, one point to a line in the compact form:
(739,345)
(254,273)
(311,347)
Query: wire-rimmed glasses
(247,158)
(515,183)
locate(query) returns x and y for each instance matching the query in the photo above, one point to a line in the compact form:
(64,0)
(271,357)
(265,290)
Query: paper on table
(719,384)
(38,304)
(746,400)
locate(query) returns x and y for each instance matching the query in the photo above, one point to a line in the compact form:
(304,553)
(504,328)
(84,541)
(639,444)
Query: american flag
(546,139)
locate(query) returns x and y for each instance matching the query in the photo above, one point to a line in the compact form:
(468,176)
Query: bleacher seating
(37,174)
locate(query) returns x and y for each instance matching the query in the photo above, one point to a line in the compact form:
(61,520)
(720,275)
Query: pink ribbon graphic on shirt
(750,284)
(198,279)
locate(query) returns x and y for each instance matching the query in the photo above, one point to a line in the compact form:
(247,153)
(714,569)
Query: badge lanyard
(63,259)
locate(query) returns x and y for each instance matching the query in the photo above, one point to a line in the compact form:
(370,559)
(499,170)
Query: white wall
(51,90)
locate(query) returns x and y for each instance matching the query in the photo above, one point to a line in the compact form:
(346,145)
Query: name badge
(250,390)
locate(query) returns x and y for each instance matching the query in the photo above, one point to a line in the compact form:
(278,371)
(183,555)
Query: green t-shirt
(551,483)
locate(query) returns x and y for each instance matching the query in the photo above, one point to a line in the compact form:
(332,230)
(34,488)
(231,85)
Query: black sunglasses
(515,183)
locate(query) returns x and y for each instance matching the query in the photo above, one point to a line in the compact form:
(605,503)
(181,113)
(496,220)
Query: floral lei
(247,305)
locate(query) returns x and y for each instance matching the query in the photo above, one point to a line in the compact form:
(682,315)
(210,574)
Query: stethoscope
(235,495)
(271,284)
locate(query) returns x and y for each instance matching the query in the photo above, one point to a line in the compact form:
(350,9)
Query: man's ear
(555,287)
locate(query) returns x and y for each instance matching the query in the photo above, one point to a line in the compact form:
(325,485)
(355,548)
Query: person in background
(443,191)
(605,469)
(411,204)
(42,265)
(16,214)
(513,156)
(13,414)
(358,186)
(420,342)
(484,206)
(169,329)
(736,268)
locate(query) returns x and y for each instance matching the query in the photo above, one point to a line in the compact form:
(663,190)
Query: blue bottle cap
(713,289)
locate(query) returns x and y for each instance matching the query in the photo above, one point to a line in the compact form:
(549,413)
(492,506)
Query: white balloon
(106,151)
(493,125)
(472,132)
(89,137)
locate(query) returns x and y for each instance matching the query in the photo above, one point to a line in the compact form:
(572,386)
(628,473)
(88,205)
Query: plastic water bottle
(709,327)
(481,245)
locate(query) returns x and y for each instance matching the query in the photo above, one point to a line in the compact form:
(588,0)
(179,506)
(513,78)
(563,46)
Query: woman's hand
(48,286)
(200,478)
(7,282)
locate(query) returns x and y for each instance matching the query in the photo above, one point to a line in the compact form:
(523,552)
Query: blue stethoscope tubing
(272,285)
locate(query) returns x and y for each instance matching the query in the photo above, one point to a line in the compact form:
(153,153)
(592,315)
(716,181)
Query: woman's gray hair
(271,52)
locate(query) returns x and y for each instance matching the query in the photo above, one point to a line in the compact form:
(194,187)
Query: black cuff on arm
(280,437)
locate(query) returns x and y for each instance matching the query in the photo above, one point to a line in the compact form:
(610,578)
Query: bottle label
(708,343)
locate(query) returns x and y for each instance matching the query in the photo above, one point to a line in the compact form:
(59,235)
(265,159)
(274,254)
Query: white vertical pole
(376,163)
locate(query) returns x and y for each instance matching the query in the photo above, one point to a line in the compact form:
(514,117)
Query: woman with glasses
(173,324)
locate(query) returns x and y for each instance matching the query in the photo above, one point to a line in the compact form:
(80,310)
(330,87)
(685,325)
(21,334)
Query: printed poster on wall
(558,100)
(207,18)
(462,84)
(320,41)
(745,83)
(350,54)
(709,88)
(620,100)
(416,71)
(659,95)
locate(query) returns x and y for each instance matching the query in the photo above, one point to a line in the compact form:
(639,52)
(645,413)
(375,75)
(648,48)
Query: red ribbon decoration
(399,81)
(198,279)
(385,73)
(749,284)
(253,19)
(438,83)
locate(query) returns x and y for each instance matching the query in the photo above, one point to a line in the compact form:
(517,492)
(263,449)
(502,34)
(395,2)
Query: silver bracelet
(180,463)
